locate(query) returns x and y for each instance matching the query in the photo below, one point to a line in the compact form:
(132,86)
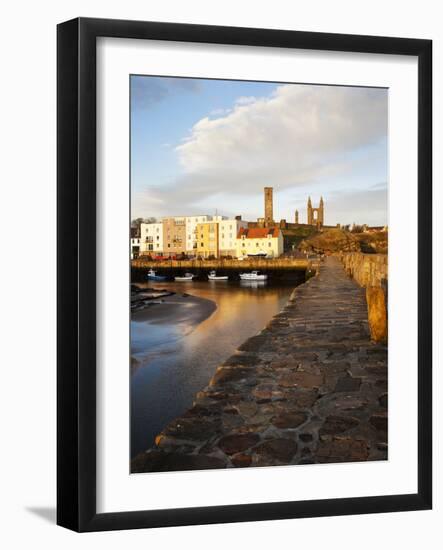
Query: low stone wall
(371,271)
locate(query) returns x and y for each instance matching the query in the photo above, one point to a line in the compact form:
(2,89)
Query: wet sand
(179,309)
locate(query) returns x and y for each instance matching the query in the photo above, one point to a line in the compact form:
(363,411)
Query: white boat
(214,277)
(152,276)
(253,276)
(185,277)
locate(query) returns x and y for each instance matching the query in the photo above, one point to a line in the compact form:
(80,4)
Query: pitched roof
(258,232)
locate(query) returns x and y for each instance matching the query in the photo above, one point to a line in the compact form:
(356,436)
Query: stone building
(269,208)
(316,216)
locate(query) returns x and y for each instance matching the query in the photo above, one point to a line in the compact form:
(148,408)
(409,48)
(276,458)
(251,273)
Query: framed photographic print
(244,274)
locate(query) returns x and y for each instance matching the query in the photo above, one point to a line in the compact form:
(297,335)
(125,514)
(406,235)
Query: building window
(202,244)
(269,244)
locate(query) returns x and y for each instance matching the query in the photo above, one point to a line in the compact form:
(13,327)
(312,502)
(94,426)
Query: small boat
(214,277)
(185,277)
(253,276)
(259,254)
(153,277)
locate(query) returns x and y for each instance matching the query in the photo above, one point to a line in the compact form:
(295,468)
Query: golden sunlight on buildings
(258,241)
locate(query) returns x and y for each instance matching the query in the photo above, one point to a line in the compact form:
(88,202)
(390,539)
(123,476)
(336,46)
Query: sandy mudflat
(176,309)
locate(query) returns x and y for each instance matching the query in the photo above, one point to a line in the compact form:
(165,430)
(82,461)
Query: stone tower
(316,216)
(269,215)
(296,216)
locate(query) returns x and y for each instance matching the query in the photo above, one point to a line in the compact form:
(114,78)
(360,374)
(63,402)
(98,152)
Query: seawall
(309,388)
(371,272)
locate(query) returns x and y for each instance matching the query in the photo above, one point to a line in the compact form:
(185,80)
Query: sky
(202,146)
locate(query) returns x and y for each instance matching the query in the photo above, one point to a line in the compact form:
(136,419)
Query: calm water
(177,355)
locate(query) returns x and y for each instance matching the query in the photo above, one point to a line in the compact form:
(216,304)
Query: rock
(289,420)
(247,408)
(301,379)
(338,424)
(380,422)
(348,383)
(242,360)
(253,344)
(235,443)
(266,392)
(377,313)
(240,460)
(227,374)
(280,449)
(191,428)
(306,437)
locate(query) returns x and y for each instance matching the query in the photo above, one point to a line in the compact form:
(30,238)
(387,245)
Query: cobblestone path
(309,388)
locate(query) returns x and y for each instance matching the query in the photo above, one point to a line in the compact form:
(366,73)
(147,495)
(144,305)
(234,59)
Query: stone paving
(309,388)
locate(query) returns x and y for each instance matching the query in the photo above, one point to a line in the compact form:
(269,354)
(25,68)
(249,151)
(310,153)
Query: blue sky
(199,145)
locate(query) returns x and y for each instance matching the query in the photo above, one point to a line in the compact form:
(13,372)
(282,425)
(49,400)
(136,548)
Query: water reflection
(175,353)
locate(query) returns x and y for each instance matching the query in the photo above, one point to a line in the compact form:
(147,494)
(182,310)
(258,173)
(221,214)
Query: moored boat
(185,277)
(253,276)
(214,277)
(153,277)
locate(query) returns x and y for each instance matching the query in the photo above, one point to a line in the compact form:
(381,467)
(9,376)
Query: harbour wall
(371,272)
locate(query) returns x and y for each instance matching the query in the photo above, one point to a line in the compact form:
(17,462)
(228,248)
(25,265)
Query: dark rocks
(231,444)
(230,374)
(289,420)
(338,424)
(240,359)
(193,428)
(275,449)
(301,379)
(380,422)
(241,460)
(253,344)
(306,438)
(266,392)
(348,384)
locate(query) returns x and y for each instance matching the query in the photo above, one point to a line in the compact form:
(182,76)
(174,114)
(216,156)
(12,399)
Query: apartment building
(151,237)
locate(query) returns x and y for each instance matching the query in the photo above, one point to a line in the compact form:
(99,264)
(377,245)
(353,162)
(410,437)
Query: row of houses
(204,237)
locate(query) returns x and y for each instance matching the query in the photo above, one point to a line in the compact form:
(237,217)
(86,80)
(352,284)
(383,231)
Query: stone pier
(310,388)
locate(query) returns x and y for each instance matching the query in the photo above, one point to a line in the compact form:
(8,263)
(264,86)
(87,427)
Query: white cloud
(294,137)
(299,137)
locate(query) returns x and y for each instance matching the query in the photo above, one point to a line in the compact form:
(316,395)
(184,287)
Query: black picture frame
(76,281)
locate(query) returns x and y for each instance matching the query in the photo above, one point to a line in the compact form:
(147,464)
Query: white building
(228,229)
(151,238)
(191,226)
(135,243)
